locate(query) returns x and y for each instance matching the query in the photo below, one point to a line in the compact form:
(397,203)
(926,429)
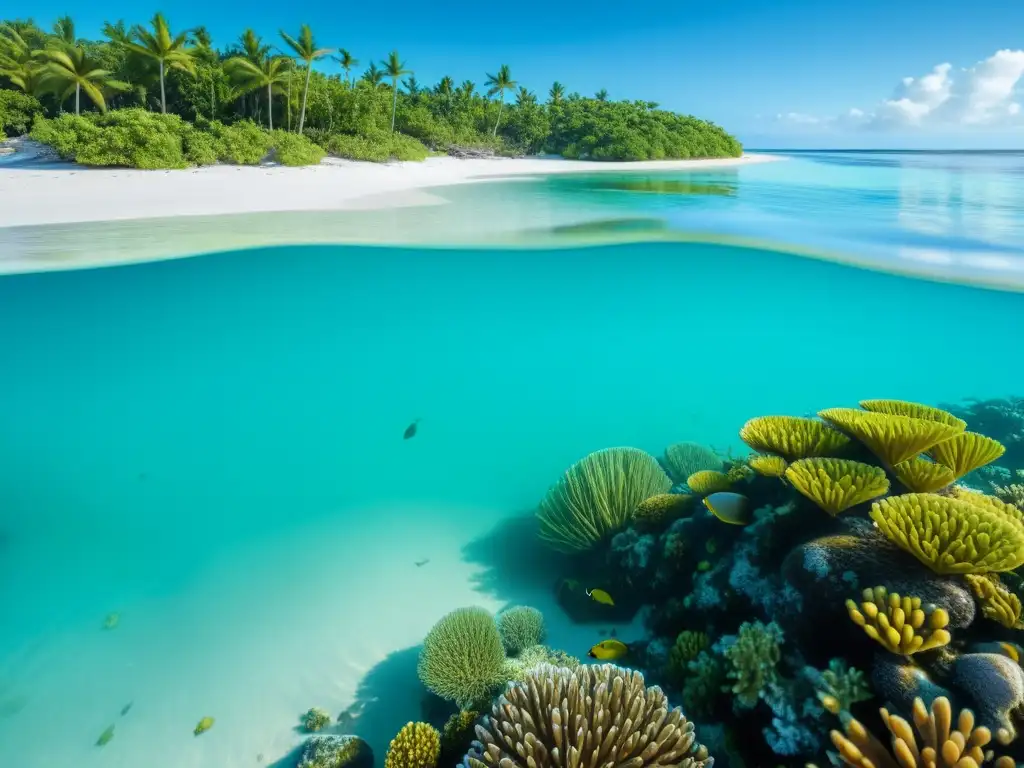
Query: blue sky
(782,74)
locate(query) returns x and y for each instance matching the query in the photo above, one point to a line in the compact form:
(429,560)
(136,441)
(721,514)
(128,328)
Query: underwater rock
(336,752)
(899,681)
(995,685)
(633,552)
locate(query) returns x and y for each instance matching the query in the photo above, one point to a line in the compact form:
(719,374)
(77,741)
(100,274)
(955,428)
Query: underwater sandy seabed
(212,448)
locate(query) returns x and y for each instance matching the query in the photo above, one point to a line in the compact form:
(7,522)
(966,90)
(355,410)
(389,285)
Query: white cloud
(982,95)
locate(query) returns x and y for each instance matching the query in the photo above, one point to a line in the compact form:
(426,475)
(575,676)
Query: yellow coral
(941,746)
(997,602)
(901,625)
(966,452)
(792,437)
(914,410)
(708,481)
(836,485)
(950,535)
(923,476)
(984,500)
(768,466)
(892,438)
(661,507)
(417,745)
(738,472)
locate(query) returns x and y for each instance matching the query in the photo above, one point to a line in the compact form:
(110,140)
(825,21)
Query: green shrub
(201,148)
(128,138)
(294,149)
(17,111)
(243,143)
(407,148)
(378,147)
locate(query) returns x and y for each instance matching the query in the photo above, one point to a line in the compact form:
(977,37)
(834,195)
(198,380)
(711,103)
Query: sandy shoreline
(40,196)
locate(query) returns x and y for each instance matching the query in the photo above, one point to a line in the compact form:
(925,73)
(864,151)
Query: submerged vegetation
(150,96)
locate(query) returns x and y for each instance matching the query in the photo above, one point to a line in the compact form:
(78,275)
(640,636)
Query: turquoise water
(212,448)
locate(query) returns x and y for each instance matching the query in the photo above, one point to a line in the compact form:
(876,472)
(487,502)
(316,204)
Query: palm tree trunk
(78,96)
(501,103)
(270,108)
(288,99)
(213,101)
(163,94)
(305,92)
(394,102)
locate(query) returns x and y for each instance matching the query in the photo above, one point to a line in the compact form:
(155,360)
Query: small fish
(105,737)
(112,621)
(608,650)
(600,596)
(729,507)
(126,707)
(410,431)
(421,563)
(203,725)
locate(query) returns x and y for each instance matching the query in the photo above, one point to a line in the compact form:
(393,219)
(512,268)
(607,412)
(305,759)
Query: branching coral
(520,627)
(997,602)
(683,459)
(753,656)
(585,718)
(839,687)
(901,625)
(598,495)
(462,658)
(950,535)
(417,745)
(768,466)
(458,730)
(835,485)
(1010,494)
(941,746)
(686,648)
(914,410)
(517,668)
(704,680)
(316,719)
(893,439)
(792,437)
(662,507)
(922,476)
(708,481)
(966,452)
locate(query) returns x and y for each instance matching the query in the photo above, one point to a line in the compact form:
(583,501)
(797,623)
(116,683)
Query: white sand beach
(40,196)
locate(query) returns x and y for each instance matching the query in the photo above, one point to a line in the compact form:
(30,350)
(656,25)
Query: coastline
(73,194)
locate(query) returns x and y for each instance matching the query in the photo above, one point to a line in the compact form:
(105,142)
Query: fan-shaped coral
(892,438)
(661,507)
(598,495)
(950,535)
(708,481)
(914,410)
(585,718)
(836,485)
(984,500)
(683,459)
(768,466)
(462,657)
(901,625)
(520,627)
(940,746)
(922,476)
(997,602)
(967,451)
(417,745)
(792,437)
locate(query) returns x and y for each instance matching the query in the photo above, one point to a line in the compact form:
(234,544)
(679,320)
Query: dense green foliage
(243,104)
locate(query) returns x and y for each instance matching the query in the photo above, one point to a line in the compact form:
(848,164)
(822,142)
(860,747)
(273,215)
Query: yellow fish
(608,650)
(729,507)
(203,726)
(600,596)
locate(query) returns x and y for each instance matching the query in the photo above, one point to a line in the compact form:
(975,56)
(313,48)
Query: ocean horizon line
(806,150)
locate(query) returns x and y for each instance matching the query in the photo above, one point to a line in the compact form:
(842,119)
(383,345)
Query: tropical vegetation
(156,96)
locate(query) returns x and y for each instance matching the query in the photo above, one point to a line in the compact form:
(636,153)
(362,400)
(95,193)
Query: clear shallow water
(213,449)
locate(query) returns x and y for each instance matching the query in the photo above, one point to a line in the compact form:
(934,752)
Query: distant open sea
(211,449)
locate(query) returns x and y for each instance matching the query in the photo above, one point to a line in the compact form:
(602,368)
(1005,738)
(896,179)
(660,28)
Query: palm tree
(394,68)
(498,84)
(467,89)
(20,60)
(445,86)
(269,74)
(348,62)
(166,50)
(524,98)
(71,70)
(64,31)
(412,86)
(372,75)
(305,49)
(556,93)
(252,46)
(117,32)
(601,95)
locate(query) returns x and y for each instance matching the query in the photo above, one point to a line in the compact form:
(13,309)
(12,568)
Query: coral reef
(708,481)
(335,752)
(752,655)
(901,625)
(520,627)
(835,485)
(683,459)
(316,719)
(463,658)
(561,717)
(417,745)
